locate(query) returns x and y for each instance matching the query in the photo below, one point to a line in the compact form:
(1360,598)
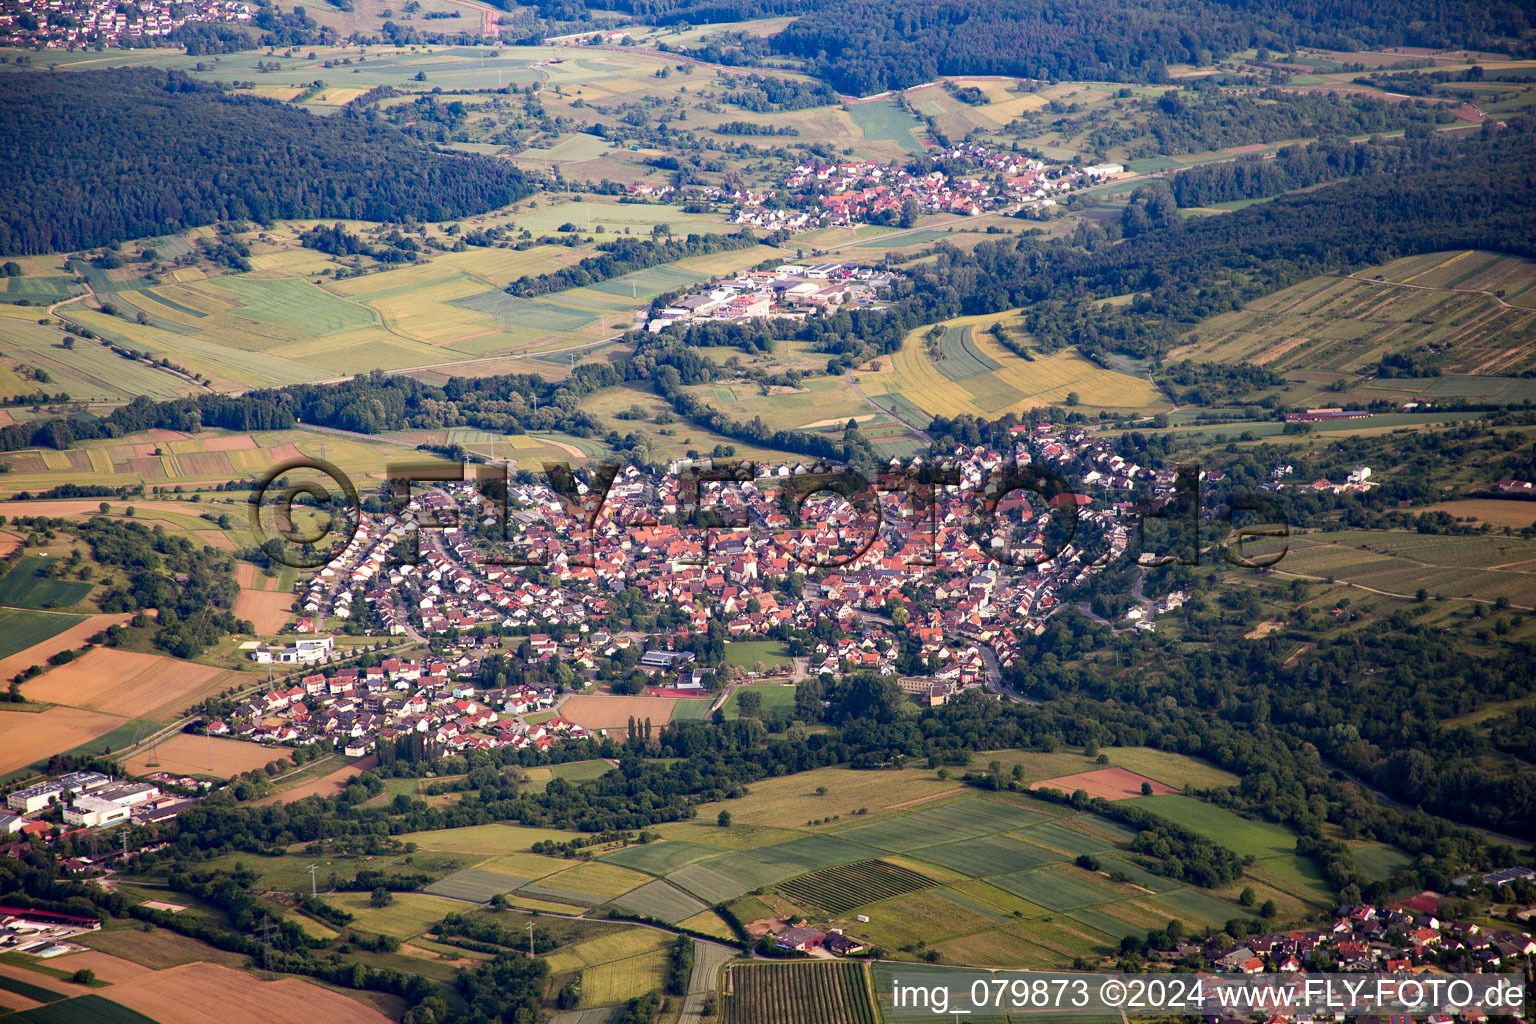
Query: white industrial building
(35,798)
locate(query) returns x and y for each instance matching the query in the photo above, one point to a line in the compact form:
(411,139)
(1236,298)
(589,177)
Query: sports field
(607,712)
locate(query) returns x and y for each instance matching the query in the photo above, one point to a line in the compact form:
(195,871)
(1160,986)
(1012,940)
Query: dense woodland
(864,47)
(156,152)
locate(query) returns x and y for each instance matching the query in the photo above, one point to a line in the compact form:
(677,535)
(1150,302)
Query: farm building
(801,940)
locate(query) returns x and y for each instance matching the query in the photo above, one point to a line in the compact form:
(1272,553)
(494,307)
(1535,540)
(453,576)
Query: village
(789,291)
(407,577)
(59,24)
(851,193)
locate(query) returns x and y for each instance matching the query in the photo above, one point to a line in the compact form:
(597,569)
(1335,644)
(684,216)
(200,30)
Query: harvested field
(1109,783)
(129,684)
(232,443)
(329,785)
(1493,511)
(605,712)
(26,738)
(191,755)
(197,993)
(269,611)
(109,968)
(158,948)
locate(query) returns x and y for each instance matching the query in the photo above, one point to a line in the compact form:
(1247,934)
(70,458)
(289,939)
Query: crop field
(86,1009)
(1398,564)
(1109,783)
(196,993)
(28,586)
(30,737)
(597,879)
(937,387)
(818,404)
(661,900)
(988,855)
(791,800)
(884,121)
(21,629)
(815,992)
(840,889)
(1475,312)
(660,858)
(1242,835)
(204,755)
(126,683)
(614,944)
(1493,511)
(474,884)
(1052,888)
(962,819)
(620,980)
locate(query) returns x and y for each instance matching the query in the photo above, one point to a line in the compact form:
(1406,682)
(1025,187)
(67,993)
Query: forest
(863,47)
(153,153)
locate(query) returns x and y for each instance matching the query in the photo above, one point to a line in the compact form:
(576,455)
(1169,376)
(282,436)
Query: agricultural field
(1494,511)
(884,121)
(660,900)
(1398,564)
(125,683)
(86,1009)
(21,629)
(969,371)
(34,736)
(815,992)
(212,756)
(28,585)
(1467,314)
(978,876)
(1242,835)
(840,889)
(195,993)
